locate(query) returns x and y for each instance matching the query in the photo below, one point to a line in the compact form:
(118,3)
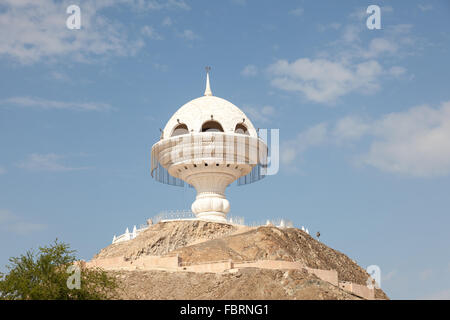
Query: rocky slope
(246,284)
(271,243)
(200,241)
(162,238)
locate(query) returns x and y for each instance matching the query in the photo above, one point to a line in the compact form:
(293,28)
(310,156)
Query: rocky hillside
(271,243)
(200,241)
(162,238)
(247,284)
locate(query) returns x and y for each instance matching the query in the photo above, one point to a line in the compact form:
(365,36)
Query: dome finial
(208,91)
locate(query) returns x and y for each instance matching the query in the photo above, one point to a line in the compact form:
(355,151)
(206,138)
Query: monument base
(214,216)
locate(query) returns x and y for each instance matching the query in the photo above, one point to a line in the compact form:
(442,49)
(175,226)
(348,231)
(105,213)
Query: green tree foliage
(45,276)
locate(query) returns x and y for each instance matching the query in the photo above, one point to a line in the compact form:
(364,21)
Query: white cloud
(249,71)
(387,9)
(425,7)
(346,65)
(151,33)
(161,67)
(401,29)
(297,12)
(32,31)
(397,71)
(396,42)
(239,2)
(165,4)
(35,30)
(349,129)
(389,276)
(53,104)
(380,46)
(59,76)
(46,162)
(167,22)
(414,142)
(351,33)
(261,115)
(18,225)
(333,25)
(323,80)
(293,149)
(189,35)
(2,170)
(359,14)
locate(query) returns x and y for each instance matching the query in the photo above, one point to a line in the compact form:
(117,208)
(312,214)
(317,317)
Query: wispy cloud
(163,4)
(150,32)
(35,30)
(167,22)
(351,66)
(389,276)
(32,31)
(332,26)
(297,11)
(262,115)
(397,71)
(47,162)
(239,2)
(394,43)
(415,142)
(322,80)
(18,225)
(249,71)
(189,35)
(39,103)
(293,150)
(425,7)
(387,9)
(380,46)
(2,170)
(161,67)
(56,75)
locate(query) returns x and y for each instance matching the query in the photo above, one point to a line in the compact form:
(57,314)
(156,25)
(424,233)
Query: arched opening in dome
(179,130)
(241,129)
(212,126)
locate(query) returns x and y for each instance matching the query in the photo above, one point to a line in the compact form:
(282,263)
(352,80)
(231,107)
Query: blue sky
(364,119)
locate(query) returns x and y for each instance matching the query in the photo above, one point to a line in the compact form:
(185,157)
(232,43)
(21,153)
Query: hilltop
(202,242)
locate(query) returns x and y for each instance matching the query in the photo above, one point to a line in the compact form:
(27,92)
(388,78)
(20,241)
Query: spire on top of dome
(208,91)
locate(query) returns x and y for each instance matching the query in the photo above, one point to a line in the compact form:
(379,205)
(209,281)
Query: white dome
(197,112)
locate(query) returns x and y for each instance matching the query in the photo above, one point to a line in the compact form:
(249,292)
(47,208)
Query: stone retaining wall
(147,262)
(142,263)
(270,264)
(330,276)
(173,263)
(216,267)
(357,289)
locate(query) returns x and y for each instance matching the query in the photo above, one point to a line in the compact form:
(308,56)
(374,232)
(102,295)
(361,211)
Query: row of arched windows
(209,126)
